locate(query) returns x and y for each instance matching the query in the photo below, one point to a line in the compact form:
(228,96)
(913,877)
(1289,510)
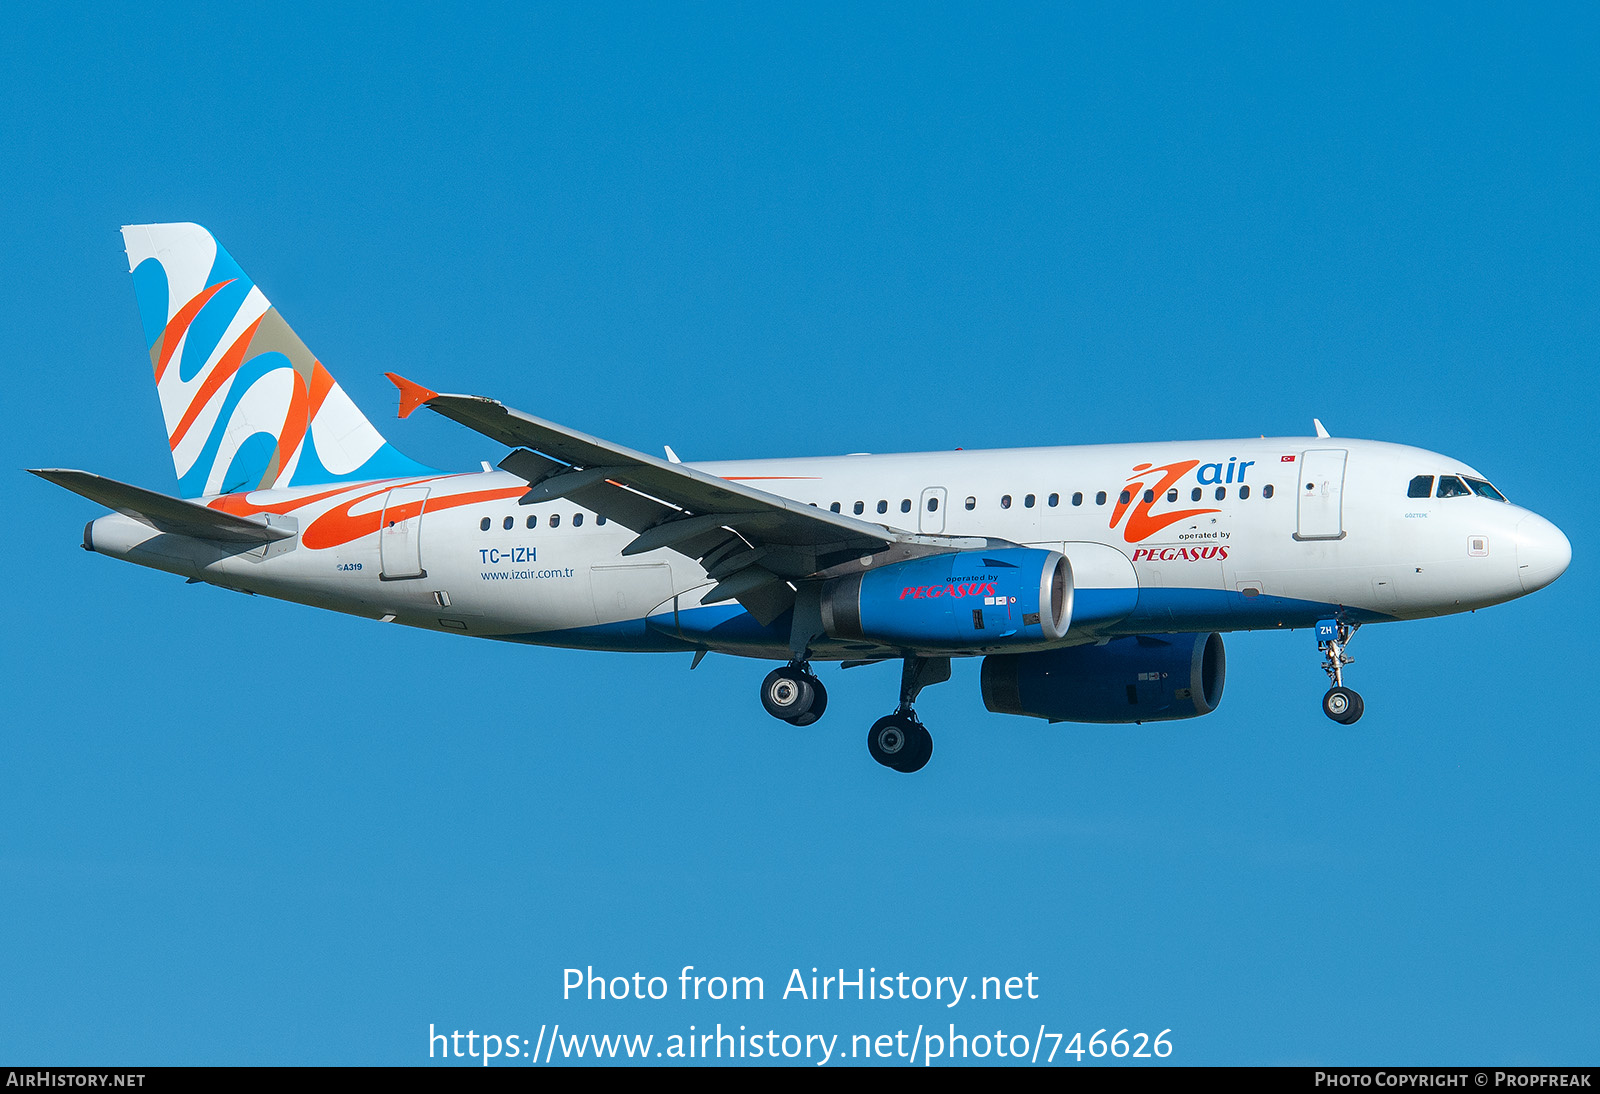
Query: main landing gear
(794,694)
(1342,704)
(900,740)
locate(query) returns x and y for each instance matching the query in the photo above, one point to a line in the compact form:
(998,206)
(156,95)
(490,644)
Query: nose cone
(1543,553)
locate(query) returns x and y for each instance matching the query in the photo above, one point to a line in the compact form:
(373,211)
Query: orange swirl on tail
(173,334)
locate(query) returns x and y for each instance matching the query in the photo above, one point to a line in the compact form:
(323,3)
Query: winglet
(1321,429)
(411,395)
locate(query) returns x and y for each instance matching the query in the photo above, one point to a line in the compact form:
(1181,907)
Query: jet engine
(1149,678)
(963,600)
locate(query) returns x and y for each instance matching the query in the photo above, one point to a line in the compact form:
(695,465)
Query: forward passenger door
(1321,490)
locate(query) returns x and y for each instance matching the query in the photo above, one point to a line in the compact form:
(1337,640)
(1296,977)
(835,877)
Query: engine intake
(1143,679)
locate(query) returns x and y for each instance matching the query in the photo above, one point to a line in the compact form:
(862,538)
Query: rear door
(400,535)
(1321,489)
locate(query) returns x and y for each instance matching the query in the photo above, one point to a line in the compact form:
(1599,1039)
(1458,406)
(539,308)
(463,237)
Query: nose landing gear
(793,694)
(1342,704)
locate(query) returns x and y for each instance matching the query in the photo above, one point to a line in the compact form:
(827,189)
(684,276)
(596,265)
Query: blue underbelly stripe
(1102,611)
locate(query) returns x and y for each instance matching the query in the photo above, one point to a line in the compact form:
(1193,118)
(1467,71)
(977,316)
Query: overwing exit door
(1321,490)
(930,511)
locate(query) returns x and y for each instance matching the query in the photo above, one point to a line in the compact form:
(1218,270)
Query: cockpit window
(1421,487)
(1451,487)
(1484,490)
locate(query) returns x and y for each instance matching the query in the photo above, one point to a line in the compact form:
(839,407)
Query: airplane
(1094,581)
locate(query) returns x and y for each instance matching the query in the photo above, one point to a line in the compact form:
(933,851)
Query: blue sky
(240,831)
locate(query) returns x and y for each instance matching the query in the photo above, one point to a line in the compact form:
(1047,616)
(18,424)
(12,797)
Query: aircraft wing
(163,513)
(754,543)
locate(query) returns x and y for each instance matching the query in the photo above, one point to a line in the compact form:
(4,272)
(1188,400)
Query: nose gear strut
(1342,704)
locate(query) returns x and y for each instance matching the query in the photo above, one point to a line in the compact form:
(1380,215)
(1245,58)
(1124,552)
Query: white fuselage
(1213,536)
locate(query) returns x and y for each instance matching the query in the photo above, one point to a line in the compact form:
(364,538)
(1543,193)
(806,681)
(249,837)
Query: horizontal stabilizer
(163,513)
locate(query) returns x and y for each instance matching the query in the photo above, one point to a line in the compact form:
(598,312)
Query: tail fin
(247,406)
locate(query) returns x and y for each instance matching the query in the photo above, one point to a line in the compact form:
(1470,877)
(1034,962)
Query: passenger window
(600,520)
(1027,502)
(1149,496)
(1266,491)
(1005,501)
(533,522)
(1222,492)
(905,505)
(1194,495)
(860,508)
(834,507)
(555,520)
(483,525)
(1055,500)
(883,506)
(508,523)
(1244,492)
(1421,487)
(1451,487)
(933,505)
(577,520)
(1172,495)
(1124,498)
(1100,498)
(1077,497)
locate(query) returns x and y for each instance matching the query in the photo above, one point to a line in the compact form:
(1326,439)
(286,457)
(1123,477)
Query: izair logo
(1148,485)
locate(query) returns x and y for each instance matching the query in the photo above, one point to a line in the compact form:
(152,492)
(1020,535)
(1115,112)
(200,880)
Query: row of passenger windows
(533,521)
(1452,486)
(1029,501)
(883,506)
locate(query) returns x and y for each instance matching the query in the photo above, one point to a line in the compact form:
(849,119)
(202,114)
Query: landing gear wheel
(900,741)
(819,703)
(793,695)
(1342,705)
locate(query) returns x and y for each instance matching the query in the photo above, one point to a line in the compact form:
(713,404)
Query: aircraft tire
(819,703)
(923,745)
(901,742)
(789,695)
(1343,705)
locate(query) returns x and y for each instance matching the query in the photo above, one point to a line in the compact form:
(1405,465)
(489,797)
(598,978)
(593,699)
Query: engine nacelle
(1144,679)
(963,600)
